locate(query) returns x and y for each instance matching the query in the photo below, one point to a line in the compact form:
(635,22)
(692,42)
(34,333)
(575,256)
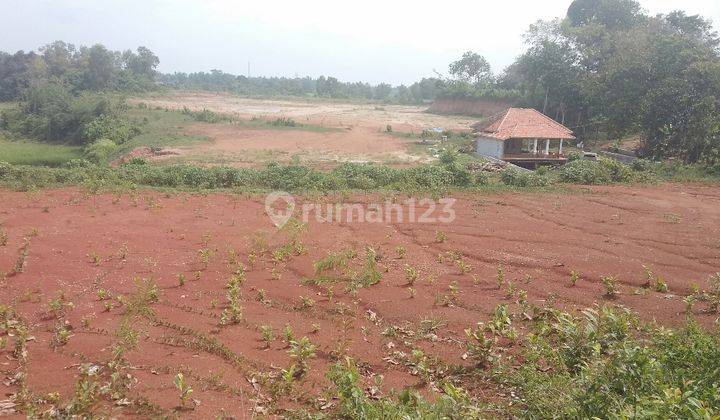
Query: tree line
(62,90)
(80,69)
(323,87)
(607,70)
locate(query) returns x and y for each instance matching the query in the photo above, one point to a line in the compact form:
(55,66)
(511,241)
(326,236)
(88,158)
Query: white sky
(394,41)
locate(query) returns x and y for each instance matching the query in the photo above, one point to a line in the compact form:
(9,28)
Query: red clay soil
(353,141)
(537,238)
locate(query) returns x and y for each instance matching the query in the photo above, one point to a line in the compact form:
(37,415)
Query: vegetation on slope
(452,172)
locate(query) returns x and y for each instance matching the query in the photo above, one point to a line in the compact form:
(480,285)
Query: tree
(548,72)
(382,91)
(681,116)
(328,87)
(425,89)
(693,27)
(403,94)
(472,68)
(60,59)
(615,71)
(610,14)
(15,71)
(143,63)
(99,68)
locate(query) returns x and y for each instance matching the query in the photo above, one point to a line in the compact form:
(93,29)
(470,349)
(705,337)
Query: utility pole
(248,70)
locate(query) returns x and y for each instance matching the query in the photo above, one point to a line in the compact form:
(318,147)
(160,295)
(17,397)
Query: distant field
(327,133)
(255,132)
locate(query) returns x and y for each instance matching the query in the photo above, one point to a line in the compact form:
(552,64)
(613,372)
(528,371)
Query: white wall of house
(489,147)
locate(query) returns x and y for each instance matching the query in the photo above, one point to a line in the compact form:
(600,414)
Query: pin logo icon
(274,207)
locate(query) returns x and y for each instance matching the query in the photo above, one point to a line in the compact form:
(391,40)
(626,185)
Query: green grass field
(24,152)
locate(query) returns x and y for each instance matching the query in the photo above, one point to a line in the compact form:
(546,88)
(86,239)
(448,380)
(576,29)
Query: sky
(395,41)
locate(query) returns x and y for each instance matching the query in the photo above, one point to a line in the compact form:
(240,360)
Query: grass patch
(282,124)
(159,128)
(7,105)
(24,152)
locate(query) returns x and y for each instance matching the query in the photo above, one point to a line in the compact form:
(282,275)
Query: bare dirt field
(245,147)
(354,132)
(86,255)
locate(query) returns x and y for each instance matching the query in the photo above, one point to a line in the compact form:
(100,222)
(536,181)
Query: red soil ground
(537,238)
(358,135)
(359,142)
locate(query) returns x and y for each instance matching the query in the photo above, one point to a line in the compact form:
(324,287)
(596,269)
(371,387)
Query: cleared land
(329,132)
(88,249)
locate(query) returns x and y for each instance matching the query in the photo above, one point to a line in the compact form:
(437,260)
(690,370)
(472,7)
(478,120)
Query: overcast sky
(372,40)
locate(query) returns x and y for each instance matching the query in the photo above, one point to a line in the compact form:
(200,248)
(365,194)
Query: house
(522,136)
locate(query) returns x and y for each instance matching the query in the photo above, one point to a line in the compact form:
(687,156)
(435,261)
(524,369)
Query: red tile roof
(522,123)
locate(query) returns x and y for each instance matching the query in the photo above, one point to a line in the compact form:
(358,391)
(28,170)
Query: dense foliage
(63,94)
(322,87)
(52,113)
(92,68)
(273,177)
(605,364)
(601,364)
(609,70)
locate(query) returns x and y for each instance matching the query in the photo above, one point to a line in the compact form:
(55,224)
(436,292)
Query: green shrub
(297,178)
(366,177)
(518,178)
(5,168)
(51,113)
(542,171)
(462,176)
(454,403)
(641,165)
(109,127)
(77,164)
(713,169)
(602,366)
(618,171)
(584,172)
(100,150)
(574,156)
(207,116)
(428,176)
(136,161)
(602,171)
(283,122)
